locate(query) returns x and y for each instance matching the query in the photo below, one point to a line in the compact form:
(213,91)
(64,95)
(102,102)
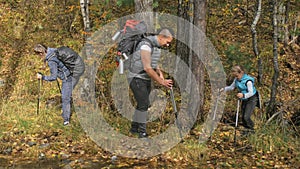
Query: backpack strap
(54,53)
(145,40)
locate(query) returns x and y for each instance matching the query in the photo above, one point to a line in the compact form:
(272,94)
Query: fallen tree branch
(293,40)
(280,111)
(273,116)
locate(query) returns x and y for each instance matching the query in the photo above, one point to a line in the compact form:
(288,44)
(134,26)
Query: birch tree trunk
(254,42)
(272,105)
(84,4)
(198,68)
(145,8)
(286,29)
(281,20)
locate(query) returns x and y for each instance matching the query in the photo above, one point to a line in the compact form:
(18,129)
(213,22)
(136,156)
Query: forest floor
(52,149)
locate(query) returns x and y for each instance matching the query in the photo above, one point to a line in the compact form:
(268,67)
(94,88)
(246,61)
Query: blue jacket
(242,84)
(57,68)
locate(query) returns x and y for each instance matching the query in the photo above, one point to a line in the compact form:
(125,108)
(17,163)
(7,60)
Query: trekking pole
(175,111)
(236,120)
(39,95)
(216,107)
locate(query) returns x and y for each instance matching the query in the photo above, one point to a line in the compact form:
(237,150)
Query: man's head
(165,36)
(40,49)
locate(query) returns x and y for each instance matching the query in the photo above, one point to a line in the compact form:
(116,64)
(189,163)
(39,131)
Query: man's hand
(39,76)
(167,83)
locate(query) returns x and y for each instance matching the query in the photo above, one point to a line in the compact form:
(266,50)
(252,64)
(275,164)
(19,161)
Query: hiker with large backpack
(65,64)
(143,67)
(247,93)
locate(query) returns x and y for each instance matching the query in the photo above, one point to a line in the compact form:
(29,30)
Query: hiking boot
(134,128)
(133,131)
(143,135)
(66,123)
(142,127)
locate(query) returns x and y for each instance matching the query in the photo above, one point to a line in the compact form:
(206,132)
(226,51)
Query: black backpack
(132,34)
(71,60)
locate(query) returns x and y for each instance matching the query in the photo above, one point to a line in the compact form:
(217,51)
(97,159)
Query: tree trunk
(184,32)
(145,9)
(272,105)
(84,4)
(87,90)
(198,67)
(281,20)
(254,42)
(286,28)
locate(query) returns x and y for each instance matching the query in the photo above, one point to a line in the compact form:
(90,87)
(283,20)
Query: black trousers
(141,90)
(248,107)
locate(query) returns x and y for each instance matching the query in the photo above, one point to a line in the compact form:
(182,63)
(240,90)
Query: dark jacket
(57,68)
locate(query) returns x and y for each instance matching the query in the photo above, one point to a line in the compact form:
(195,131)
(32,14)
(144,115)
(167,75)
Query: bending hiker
(68,72)
(247,94)
(143,68)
